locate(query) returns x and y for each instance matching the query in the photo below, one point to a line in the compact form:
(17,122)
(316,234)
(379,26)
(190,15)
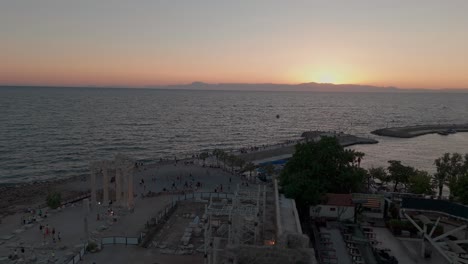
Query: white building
(338,207)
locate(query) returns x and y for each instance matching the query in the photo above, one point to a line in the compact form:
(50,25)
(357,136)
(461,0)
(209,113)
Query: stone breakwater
(414,131)
(345,140)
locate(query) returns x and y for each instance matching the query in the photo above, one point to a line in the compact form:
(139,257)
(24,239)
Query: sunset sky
(404,43)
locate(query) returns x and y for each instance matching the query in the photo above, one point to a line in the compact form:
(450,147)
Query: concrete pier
(345,140)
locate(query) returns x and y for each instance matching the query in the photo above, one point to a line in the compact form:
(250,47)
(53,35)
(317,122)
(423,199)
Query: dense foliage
(461,189)
(450,167)
(420,183)
(54,200)
(320,167)
(399,173)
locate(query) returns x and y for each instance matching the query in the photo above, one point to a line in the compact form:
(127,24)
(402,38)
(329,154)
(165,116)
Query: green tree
(399,173)
(465,164)
(319,167)
(54,200)
(449,168)
(378,173)
(461,189)
(420,183)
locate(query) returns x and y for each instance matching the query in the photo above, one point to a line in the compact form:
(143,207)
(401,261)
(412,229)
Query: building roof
(339,199)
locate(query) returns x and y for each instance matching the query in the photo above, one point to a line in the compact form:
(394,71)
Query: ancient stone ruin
(118,171)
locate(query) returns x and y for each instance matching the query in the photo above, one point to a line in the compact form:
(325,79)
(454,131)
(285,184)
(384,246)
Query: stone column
(105,186)
(93,187)
(216,246)
(130,189)
(123,194)
(85,218)
(118,185)
(86,206)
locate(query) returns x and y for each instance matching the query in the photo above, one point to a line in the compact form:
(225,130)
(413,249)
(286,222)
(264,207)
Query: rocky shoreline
(21,196)
(414,131)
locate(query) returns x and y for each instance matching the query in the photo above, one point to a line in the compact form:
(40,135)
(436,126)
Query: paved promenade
(69,221)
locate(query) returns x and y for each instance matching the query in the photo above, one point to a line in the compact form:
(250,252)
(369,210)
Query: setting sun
(327,78)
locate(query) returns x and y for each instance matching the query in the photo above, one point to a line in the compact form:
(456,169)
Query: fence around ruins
(157,221)
(78,257)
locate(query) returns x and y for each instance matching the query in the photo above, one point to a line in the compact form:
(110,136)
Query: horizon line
(191,84)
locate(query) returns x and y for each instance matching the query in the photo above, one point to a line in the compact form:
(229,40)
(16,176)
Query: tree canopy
(320,167)
(379,173)
(461,189)
(399,173)
(449,168)
(420,183)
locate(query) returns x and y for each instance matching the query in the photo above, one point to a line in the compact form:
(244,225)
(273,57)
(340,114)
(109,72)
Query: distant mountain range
(305,87)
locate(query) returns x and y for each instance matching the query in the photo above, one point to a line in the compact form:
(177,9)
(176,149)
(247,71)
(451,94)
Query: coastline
(419,130)
(17,197)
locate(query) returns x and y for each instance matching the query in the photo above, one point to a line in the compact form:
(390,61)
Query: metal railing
(203,196)
(455,210)
(119,240)
(160,216)
(78,257)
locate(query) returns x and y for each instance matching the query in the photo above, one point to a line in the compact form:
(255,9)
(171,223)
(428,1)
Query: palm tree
(240,162)
(358,157)
(203,156)
(269,169)
(231,161)
(223,156)
(217,153)
(249,167)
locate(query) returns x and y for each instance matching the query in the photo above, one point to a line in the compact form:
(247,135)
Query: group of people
(32,216)
(47,232)
(14,255)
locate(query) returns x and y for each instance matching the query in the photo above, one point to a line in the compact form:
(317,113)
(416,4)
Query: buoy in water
(277,116)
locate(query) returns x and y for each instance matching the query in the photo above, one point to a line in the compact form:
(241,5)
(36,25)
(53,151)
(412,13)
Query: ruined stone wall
(290,240)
